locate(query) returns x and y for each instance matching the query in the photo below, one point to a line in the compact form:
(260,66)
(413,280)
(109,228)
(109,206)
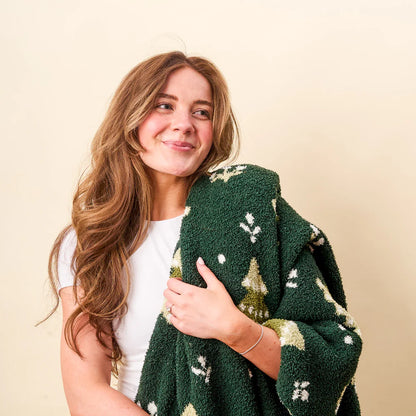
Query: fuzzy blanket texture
(280,271)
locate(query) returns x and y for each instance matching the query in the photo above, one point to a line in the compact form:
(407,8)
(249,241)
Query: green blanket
(280,271)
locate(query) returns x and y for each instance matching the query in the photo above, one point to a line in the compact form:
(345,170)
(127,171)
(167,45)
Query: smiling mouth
(178,145)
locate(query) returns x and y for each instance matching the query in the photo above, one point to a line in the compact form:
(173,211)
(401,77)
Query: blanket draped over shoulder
(280,271)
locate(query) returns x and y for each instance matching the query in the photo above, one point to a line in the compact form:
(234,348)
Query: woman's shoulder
(66,253)
(68,244)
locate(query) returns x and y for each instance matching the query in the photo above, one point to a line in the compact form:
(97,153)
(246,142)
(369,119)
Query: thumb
(206,273)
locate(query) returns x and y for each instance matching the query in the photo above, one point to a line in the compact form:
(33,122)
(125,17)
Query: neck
(169,196)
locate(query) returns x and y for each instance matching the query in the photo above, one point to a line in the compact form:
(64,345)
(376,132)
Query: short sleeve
(65,272)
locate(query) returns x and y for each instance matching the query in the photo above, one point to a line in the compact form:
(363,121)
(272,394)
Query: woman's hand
(210,313)
(202,312)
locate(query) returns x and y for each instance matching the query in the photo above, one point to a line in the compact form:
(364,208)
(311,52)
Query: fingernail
(200,260)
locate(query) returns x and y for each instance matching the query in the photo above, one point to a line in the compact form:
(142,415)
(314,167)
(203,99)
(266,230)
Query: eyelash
(205,113)
(161,104)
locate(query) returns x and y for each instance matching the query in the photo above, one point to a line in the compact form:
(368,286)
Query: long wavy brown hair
(112,204)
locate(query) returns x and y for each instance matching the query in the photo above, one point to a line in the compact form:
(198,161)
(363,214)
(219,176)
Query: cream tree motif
(340,311)
(288,332)
(227,173)
(253,304)
(340,398)
(176,265)
(274,204)
(175,271)
(189,410)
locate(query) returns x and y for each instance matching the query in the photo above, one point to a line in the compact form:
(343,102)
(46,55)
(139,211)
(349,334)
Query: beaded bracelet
(261,336)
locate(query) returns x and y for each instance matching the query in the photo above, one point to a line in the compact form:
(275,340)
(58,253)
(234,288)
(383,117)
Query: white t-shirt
(150,266)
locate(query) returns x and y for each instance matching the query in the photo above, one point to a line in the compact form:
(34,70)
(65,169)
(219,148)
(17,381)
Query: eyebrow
(173,97)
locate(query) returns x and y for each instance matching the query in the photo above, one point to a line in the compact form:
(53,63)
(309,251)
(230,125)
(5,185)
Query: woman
(169,123)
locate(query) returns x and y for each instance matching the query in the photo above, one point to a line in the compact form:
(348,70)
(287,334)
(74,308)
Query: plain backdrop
(325,94)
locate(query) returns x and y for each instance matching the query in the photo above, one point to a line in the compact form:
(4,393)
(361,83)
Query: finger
(177,285)
(171,296)
(206,273)
(170,307)
(174,321)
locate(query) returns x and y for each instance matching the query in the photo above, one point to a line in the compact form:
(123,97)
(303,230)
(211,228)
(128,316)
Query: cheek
(207,136)
(149,128)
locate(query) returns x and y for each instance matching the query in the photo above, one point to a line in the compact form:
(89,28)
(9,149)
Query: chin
(183,173)
(179,171)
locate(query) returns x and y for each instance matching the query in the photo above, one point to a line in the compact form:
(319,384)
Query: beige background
(325,94)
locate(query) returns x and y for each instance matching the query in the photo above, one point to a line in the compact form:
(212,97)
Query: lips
(178,144)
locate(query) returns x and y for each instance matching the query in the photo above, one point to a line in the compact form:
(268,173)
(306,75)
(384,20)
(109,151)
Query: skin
(87,380)
(182,114)
(210,313)
(187,118)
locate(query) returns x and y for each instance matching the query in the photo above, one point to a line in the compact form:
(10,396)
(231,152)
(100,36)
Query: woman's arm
(87,380)
(210,313)
(244,333)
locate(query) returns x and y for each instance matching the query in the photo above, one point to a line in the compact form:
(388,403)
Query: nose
(182,122)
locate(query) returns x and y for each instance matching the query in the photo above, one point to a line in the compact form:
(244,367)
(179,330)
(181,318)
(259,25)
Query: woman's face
(177,134)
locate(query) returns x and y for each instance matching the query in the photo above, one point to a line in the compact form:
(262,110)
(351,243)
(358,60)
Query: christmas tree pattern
(175,271)
(189,411)
(253,304)
(288,332)
(340,398)
(274,202)
(227,173)
(176,266)
(339,310)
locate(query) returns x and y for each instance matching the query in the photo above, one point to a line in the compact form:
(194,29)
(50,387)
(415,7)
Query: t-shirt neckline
(166,220)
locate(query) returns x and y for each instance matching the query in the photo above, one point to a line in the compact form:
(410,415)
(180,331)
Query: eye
(203,114)
(164,106)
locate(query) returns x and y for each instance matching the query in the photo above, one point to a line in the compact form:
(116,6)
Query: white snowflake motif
(348,340)
(221,258)
(203,371)
(152,408)
(253,231)
(292,275)
(300,391)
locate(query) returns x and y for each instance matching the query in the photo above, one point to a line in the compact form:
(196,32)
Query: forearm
(87,380)
(266,354)
(101,399)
